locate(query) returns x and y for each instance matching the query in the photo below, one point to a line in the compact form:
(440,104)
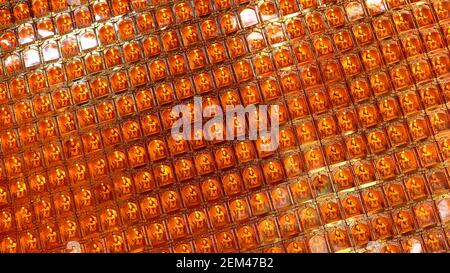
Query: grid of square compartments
(86,90)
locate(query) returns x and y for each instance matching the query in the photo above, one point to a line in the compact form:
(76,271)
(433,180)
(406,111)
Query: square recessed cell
(88,40)
(50,51)
(45,28)
(31,57)
(26,34)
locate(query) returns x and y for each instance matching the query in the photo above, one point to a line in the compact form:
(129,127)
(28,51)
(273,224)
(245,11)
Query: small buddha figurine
(315,22)
(412,245)
(240,210)
(30,242)
(157,236)
(305,133)
(424,215)
(171,201)
(416,129)
(331,212)
(335,17)
(91,225)
(375,142)
(247,237)
(343,41)
(228,23)
(131,212)
(205,246)
(416,188)
(433,242)
(309,218)
(3,196)
(183,12)
(301,190)
(296,247)
(218,216)
(209,30)
(226,242)
(179,229)
(361,234)
(198,222)
(111,218)
(105,192)
(137,238)
(212,191)
(342,179)
(117,244)
(268,231)
(6,221)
